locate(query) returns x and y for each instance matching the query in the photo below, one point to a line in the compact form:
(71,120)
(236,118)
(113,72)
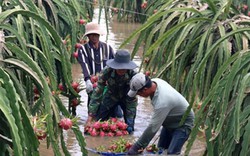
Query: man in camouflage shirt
(116,77)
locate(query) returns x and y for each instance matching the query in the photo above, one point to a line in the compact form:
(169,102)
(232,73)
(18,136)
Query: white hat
(92,28)
(137,82)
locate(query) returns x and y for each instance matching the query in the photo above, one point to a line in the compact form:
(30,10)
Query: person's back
(166,97)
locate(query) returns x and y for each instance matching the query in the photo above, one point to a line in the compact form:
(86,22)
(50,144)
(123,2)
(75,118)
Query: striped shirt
(93,60)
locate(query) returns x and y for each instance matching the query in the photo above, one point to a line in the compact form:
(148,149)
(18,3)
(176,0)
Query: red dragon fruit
(65,123)
(110,134)
(113,120)
(97,125)
(94,132)
(121,125)
(113,127)
(102,134)
(118,133)
(105,126)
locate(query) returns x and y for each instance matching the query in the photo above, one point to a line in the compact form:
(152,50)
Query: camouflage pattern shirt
(117,89)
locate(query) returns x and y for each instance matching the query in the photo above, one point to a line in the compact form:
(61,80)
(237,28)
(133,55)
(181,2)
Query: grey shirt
(169,107)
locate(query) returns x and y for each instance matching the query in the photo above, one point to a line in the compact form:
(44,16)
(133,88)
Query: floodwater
(117,33)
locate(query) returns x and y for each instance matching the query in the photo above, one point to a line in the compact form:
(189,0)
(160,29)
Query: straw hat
(92,28)
(121,61)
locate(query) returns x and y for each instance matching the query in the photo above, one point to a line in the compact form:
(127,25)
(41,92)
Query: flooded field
(118,32)
(144,112)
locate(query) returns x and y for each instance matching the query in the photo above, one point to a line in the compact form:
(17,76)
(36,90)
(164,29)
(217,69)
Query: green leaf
(6,108)
(23,66)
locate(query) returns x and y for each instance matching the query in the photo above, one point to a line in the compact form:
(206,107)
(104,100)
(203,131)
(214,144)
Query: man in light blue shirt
(169,107)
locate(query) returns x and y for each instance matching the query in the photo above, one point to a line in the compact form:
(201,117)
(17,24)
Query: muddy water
(117,33)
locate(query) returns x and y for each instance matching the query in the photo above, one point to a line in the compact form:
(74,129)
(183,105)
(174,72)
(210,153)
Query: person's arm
(96,96)
(96,99)
(156,121)
(111,52)
(84,62)
(131,104)
(131,107)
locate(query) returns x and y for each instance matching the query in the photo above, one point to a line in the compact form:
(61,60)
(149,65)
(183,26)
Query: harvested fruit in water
(111,127)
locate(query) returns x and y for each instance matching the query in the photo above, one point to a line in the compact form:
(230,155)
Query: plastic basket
(154,153)
(124,153)
(112,154)
(106,153)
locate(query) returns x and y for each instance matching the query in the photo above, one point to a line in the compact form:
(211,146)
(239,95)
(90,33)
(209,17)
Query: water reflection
(117,32)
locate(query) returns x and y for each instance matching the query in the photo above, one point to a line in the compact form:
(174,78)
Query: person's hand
(130,129)
(89,86)
(88,124)
(135,150)
(130,123)
(89,121)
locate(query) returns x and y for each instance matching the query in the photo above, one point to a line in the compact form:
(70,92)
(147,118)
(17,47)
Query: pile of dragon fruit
(111,127)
